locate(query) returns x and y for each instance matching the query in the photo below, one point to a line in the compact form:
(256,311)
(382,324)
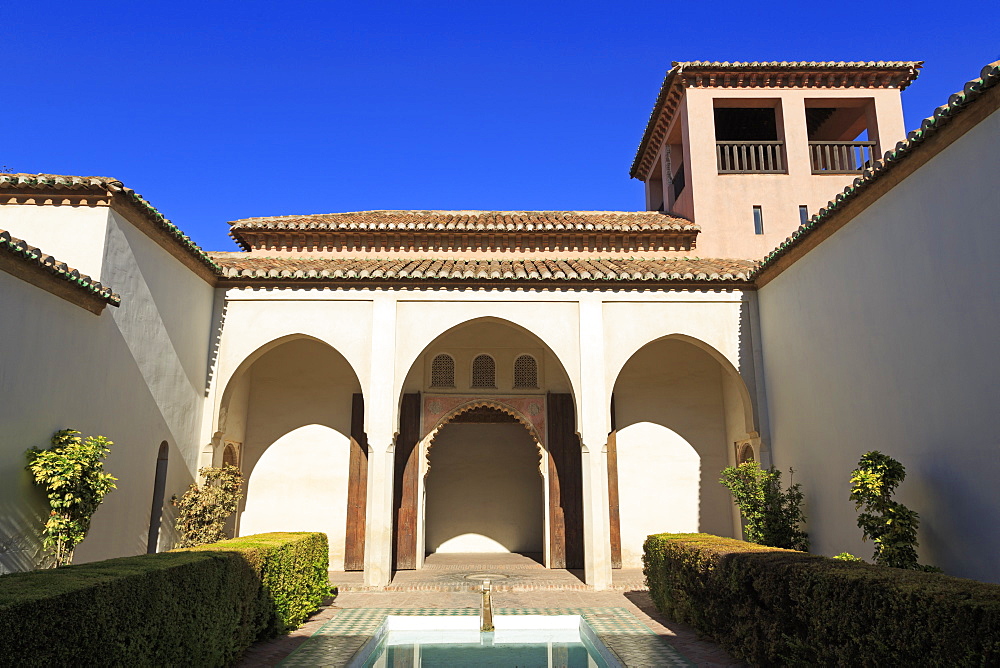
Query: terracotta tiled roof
(113,186)
(474,220)
(810,74)
(24,252)
(240,266)
(260,232)
(957,103)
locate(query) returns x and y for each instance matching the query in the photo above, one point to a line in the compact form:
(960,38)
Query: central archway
(477,369)
(483,488)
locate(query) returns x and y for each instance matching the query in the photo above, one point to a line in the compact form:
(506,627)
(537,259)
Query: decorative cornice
(29,263)
(906,154)
(784,74)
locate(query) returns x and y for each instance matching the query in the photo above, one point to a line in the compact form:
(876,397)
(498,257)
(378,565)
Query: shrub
(890,525)
(204,510)
(771,517)
(202,606)
(72,473)
(769,606)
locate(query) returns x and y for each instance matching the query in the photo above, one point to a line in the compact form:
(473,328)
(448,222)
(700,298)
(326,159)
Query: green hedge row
(201,606)
(769,606)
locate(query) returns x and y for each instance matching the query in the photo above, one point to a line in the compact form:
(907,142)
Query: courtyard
(623,616)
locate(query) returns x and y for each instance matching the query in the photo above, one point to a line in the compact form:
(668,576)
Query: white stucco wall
(484,490)
(884,337)
(659,487)
(71,234)
(136,374)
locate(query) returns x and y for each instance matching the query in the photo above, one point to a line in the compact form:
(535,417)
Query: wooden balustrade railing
(750,157)
(840,157)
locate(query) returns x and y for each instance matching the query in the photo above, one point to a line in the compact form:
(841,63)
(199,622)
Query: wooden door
(565,484)
(357,489)
(405,483)
(613,506)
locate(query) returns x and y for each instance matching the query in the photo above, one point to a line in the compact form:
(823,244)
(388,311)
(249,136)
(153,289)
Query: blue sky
(220,111)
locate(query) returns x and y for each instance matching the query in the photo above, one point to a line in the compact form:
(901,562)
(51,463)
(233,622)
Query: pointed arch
(729,370)
(295,393)
(679,408)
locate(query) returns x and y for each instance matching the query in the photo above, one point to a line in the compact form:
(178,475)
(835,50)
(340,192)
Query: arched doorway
(288,420)
(159,491)
(465,387)
(679,411)
(483,486)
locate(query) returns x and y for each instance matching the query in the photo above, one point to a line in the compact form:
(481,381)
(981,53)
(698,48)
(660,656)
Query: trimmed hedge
(199,606)
(769,606)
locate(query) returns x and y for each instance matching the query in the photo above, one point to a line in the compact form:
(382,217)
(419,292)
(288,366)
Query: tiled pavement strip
(624,617)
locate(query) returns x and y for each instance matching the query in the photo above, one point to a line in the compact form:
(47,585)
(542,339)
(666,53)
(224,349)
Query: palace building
(806,283)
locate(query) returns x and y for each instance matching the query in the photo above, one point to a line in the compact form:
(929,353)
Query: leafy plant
(771,516)
(72,473)
(890,525)
(203,510)
(847,556)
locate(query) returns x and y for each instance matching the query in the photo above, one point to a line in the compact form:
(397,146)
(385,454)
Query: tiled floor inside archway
(624,617)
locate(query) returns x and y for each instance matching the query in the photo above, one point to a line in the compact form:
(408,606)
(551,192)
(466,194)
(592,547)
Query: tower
(749,151)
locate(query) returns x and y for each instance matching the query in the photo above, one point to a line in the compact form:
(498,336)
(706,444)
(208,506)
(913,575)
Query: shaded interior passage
(484,490)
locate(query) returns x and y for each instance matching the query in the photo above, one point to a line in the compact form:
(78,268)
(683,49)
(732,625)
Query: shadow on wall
(20,545)
(949,510)
(484,490)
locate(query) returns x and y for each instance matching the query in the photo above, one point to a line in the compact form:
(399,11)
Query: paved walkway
(464,572)
(625,618)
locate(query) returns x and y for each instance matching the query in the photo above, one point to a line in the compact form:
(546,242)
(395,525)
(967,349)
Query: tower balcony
(750,157)
(841,157)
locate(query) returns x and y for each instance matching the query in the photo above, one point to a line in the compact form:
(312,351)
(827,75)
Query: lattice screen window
(484,371)
(443,371)
(526,372)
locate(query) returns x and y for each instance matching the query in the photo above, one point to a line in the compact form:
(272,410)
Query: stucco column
(380,426)
(796,133)
(594,420)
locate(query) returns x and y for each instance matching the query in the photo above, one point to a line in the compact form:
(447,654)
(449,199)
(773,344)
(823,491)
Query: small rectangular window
(803,214)
(758,220)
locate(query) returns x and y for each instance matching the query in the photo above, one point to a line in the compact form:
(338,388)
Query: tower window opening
(803,214)
(748,140)
(484,372)
(746,124)
(758,220)
(840,135)
(678,181)
(443,371)
(525,372)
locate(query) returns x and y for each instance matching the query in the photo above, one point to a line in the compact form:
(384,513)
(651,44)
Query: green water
(522,655)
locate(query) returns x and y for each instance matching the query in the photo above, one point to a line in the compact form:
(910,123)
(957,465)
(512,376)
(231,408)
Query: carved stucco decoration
(440,410)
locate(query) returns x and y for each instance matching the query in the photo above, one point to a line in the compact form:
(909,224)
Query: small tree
(890,525)
(771,516)
(204,510)
(72,473)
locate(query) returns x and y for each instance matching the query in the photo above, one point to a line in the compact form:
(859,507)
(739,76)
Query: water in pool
(519,640)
